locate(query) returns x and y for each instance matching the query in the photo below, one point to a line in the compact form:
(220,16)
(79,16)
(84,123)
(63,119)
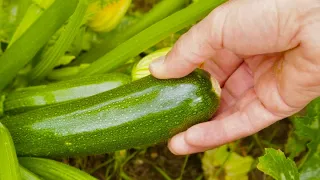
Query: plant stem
(52,56)
(160,11)
(26,47)
(183,167)
(162,172)
(257,139)
(151,36)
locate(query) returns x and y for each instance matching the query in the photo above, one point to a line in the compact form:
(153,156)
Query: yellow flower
(105,17)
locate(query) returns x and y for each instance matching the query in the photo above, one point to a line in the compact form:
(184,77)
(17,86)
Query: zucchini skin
(25,99)
(53,170)
(144,112)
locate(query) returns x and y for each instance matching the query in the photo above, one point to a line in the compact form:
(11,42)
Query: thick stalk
(26,47)
(151,36)
(51,57)
(160,11)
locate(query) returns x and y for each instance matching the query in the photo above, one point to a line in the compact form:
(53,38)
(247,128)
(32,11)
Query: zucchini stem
(25,48)
(151,36)
(112,40)
(51,57)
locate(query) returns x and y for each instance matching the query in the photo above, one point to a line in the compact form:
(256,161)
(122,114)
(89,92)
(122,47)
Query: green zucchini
(52,170)
(34,97)
(9,166)
(28,175)
(144,112)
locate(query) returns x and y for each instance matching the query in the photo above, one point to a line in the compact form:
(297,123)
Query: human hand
(265,55)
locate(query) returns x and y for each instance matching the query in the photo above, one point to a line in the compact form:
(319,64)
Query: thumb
(194,47)
(188,53)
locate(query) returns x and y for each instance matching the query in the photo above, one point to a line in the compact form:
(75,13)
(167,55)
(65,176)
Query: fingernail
(157,63)
(194,136)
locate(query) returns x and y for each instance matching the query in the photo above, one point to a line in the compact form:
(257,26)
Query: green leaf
(307,125)
(275,164)
(83,41)
(295,145)
(311,168)
(232,164)
(307,128)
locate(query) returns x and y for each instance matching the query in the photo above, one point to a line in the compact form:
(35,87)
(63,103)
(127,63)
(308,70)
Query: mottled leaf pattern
(233,166)
(275,164)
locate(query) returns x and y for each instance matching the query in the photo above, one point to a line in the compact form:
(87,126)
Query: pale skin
(265,55)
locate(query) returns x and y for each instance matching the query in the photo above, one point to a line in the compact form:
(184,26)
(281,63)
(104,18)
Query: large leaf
(295,145)
(307,128)
(275,164)
(307,125)
(233,166)
(311,168)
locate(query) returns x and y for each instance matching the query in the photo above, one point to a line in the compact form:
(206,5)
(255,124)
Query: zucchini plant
(64,94)
(33,12)
(161,10)
(150,36)
(54,53)
(25,48)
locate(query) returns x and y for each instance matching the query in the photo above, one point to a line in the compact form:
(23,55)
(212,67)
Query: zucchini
(52,170)
(9,166)
(34,97)
(28,175)
(144,112)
